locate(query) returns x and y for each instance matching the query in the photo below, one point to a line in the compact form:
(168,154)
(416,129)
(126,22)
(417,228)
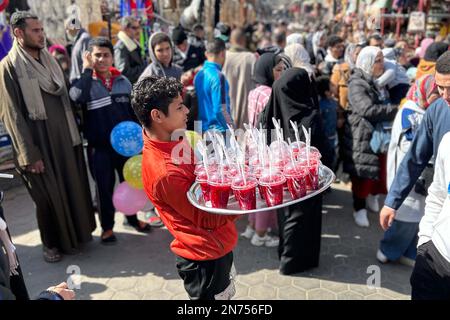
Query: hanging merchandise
(438,17)
(3,4)
(416,22)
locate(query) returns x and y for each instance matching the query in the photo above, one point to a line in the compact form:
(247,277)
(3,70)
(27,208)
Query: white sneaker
(248,233)
(267,241)
(360,217)
(381,257)
(407,261)
(372,203)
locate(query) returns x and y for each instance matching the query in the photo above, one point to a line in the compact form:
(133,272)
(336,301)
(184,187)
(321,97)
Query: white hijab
(366,59)
(294,38)
(316,41)
(299,57)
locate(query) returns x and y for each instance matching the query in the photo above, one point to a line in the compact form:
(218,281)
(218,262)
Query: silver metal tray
(195,197)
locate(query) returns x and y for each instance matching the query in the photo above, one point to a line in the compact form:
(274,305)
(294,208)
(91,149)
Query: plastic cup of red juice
(272,187)
(245,191)
(296,180)
(312,179)
(220,187)
(202,180)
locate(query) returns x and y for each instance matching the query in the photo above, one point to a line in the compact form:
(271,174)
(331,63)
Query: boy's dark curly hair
(153,93)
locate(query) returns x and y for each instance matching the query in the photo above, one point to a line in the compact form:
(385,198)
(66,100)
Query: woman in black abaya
(300,225)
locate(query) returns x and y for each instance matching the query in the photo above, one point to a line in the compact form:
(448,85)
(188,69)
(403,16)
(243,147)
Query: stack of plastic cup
(220,187)
(245,191)
(272,187)
(296,180)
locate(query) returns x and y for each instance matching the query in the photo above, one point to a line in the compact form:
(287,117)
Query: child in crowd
(104,94)
(328,110)
(203,242)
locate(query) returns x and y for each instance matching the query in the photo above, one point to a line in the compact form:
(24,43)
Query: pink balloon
(129,200)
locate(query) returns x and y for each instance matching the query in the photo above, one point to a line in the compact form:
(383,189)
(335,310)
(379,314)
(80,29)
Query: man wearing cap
(80,38)
(127,51)
(186,55)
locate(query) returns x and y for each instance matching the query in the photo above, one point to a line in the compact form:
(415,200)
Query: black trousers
(430,279)
(204,279)
(105,162)
(300,228)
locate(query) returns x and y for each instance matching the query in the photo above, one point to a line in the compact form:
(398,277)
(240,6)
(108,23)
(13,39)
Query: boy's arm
(412,165)
(81,88)
(435,199)
(172,189)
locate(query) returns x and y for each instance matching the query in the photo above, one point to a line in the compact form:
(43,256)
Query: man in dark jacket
(80,38)
(127,51)
(186,55)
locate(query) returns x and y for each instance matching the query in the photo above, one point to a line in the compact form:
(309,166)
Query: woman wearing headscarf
(299,225)
(400,239)
(339,87)
(300,58)
(367,109)
(341,73)
(428,63)
(294,38)
(268,69)
(318,43)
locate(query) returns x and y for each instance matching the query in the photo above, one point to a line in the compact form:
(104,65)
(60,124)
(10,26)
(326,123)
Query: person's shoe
(108,238)
(360,217)
(267,241)
(52,255)
(407,261)
(372,203)
(142,226)
(381,257)
(248,233)
(153,219)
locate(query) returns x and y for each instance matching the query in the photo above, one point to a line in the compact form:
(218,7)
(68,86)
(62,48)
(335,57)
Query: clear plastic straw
(291,153)
(202,148)
(308,142)
(297,135)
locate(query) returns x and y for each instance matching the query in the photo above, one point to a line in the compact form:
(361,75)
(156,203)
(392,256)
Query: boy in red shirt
(203,241)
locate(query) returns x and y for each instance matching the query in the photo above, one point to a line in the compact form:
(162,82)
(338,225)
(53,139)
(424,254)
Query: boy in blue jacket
(104,94)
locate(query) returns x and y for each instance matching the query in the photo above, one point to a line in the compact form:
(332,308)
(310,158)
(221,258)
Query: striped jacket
(102,109)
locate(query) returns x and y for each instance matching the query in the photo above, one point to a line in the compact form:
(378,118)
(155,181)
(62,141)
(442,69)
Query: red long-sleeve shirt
(198,235)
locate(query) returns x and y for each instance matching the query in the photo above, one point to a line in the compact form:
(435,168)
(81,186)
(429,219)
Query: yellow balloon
(132,172)
(192,138)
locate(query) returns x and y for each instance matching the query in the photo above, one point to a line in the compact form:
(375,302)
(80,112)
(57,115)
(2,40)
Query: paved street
(142,267)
